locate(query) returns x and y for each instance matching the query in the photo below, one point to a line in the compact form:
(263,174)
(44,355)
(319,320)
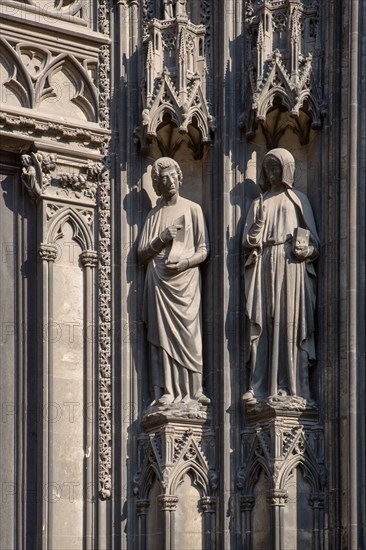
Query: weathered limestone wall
(92,94)
(54,123)
(19,324)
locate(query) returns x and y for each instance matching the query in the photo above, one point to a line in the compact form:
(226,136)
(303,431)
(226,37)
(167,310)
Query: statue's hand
(177,267)
(169,233)
(262,210)
(261,218)
(302,251)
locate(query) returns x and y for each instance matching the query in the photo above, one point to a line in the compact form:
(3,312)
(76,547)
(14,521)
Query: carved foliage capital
(247,502)
(208,504)
(84,183)
(48,252)
(142,506)
(89,258)
(168,503)
(317,500)
(277,497)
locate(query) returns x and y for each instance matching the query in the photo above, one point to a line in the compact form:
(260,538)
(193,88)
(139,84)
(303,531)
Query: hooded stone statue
(281,243)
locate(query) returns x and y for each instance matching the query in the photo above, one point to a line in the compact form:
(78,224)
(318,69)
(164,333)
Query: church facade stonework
(182,274)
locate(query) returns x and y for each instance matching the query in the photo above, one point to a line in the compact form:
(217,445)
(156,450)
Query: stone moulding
(104,269)
(104,338)
(21,124)
(283,55)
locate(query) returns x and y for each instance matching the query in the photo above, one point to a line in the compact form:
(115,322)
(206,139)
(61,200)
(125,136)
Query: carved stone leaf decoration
(104,267)
(37,172)
(104,337)
(36,127)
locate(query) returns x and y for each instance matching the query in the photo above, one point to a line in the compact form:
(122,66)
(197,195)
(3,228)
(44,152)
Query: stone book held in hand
(301,237)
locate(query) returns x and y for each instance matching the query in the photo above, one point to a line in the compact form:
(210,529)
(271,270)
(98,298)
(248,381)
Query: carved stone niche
(175,482)
(175,107)
(282,477)
(283,57)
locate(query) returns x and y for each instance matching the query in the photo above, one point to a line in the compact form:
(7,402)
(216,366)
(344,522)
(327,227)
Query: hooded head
(287,162)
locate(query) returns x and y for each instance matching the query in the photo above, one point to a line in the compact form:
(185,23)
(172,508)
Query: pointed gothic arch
(81,232)
(84,95)
(19,82)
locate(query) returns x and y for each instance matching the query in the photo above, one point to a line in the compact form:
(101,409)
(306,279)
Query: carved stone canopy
(174,87)
(283,55)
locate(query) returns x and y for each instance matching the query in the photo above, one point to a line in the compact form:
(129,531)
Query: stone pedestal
(282,478)
(176,478)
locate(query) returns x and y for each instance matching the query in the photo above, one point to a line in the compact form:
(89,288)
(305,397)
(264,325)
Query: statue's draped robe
(280,295)
(171,305)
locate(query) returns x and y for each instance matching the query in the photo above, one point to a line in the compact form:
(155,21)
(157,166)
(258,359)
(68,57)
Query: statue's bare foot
(165,399)
(249,397)
(202,399)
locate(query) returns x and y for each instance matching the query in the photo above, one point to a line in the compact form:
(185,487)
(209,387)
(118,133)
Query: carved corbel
(37,172)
